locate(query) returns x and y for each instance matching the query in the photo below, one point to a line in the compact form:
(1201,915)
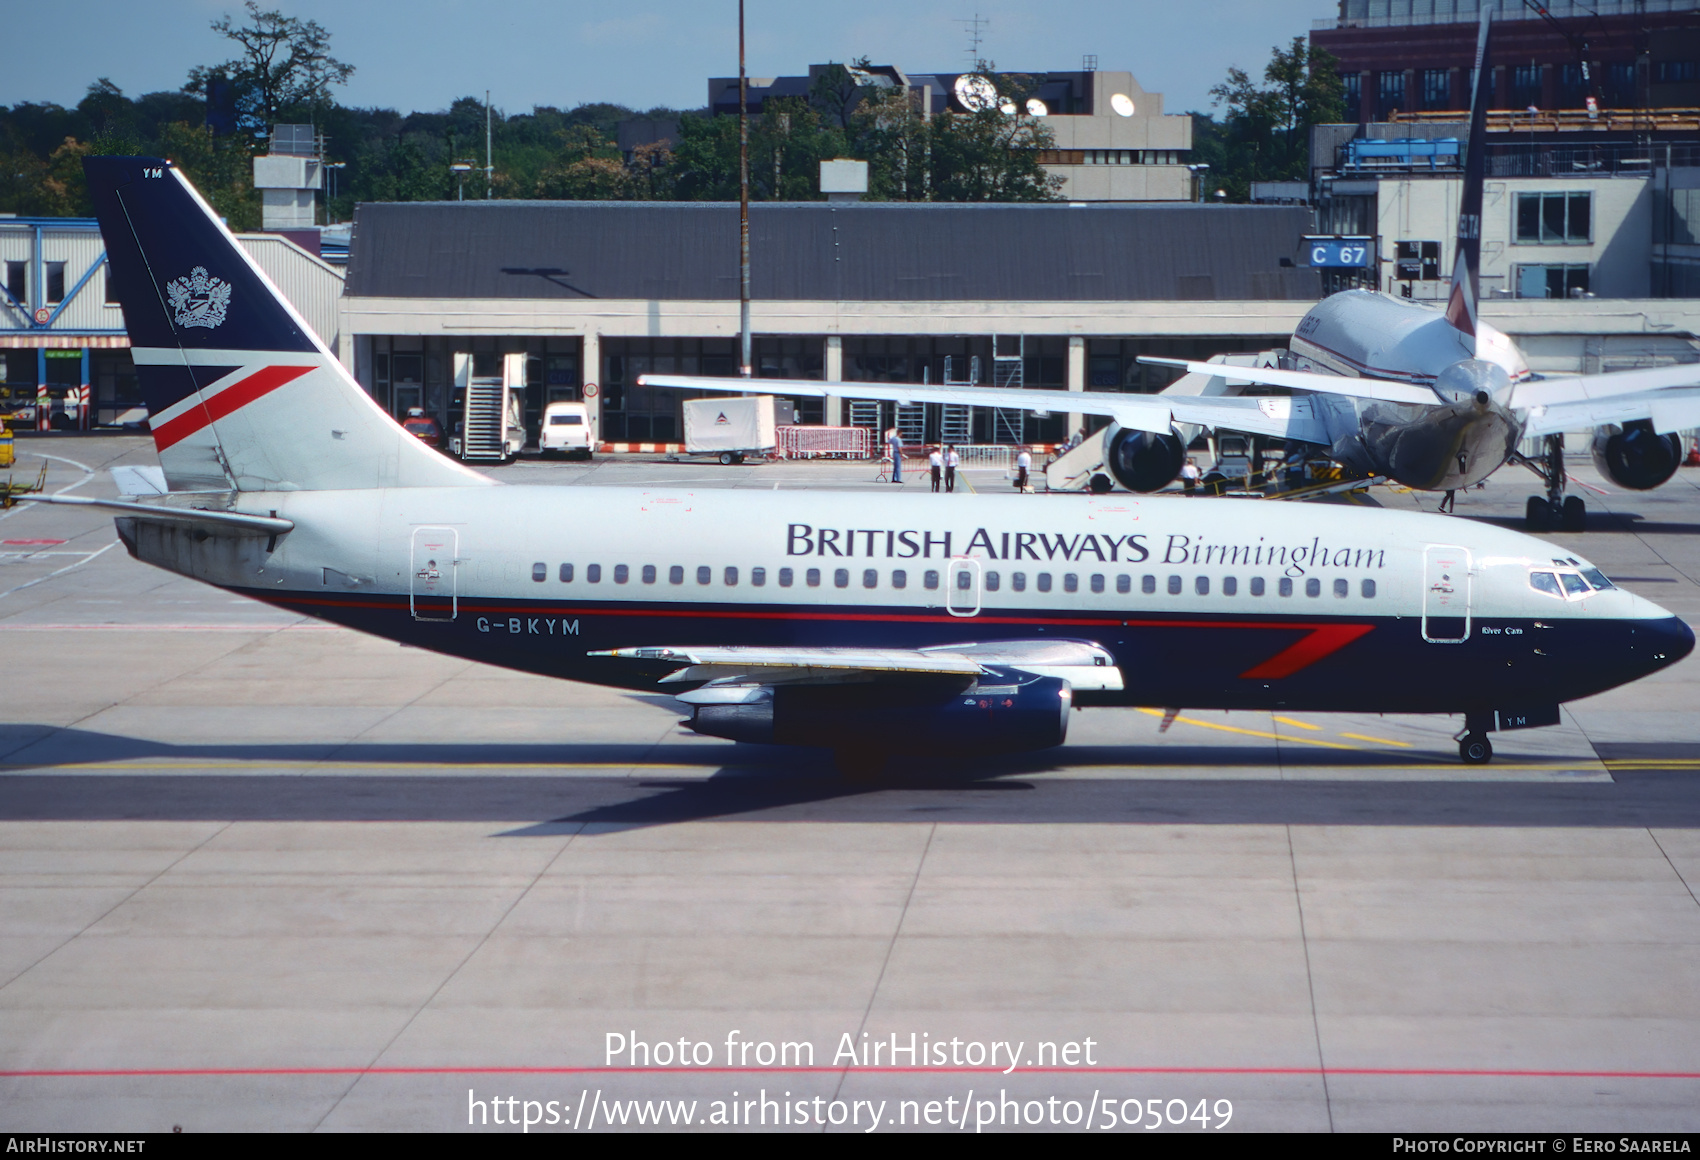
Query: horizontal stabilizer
(239,523)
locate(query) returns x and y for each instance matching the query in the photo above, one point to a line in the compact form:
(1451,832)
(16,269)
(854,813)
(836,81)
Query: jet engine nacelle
(1634,456)
(996,715)
(1143,460)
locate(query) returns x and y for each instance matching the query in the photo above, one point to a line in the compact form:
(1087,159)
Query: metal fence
(802,442)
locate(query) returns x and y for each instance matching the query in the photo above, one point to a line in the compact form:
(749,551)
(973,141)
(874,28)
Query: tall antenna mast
(743,204)
(974,26)
(489,169)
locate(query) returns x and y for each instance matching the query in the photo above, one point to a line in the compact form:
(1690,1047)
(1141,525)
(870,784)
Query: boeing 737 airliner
(871,624)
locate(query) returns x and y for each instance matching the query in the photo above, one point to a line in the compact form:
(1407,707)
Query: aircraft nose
(1663,641)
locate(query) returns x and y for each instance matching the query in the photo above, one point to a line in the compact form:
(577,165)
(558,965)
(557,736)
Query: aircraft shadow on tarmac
(508,784)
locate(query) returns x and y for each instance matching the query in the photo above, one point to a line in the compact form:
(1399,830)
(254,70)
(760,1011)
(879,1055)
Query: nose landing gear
(1555,511)
(1475,749)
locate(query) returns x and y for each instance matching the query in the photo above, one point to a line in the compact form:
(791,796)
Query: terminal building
(1055,296)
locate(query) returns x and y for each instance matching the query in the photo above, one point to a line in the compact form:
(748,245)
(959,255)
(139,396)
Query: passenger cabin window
(731,577)
(593,573)
(705,575)
(785,575)
(1044,581)
(676,574)
(930,579)
(1148,585)
(1286,586)
(758,577)
(540,572)
(1124,584)
(992,581)
(841,578)
(812,577)
(1201,585)
(1342,587)
(649,573)
(1097,582)
(566,573)
(1174,585)
(1230,585)
(1071,582)
(900,579)
(1313,587)
(870,578)
(621,573)
(1368,589)
(1257,586)
(1018,581)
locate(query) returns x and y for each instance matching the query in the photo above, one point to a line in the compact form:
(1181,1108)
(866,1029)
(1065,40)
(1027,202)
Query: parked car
(423,428)
(566,430)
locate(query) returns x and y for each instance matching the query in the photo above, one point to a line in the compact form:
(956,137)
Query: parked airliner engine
(1012,713)
(1633,456)
(1142,460)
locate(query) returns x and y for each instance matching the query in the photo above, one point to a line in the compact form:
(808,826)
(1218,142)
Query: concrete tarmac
(258,872)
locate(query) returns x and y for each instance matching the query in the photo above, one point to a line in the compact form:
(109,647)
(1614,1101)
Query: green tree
(1265,132)
(285,66)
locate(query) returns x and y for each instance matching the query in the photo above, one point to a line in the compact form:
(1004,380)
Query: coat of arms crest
(199,299)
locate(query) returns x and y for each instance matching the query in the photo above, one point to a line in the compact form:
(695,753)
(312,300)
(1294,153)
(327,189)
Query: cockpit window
(1545,582)
(1597,578)
(1573,584)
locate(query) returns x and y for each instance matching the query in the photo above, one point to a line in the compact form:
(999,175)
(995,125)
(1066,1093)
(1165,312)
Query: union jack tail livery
(242,395)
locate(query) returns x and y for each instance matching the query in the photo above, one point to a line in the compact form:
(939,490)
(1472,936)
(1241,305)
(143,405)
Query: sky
(419,55)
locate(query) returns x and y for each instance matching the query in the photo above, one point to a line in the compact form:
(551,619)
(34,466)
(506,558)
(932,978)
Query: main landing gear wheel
(1555,510)
(1575,514)
(1475,749)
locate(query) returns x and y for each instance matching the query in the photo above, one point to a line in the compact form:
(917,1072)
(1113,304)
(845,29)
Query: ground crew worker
(895,442)
(1023,464)
(935,464)
(951,462)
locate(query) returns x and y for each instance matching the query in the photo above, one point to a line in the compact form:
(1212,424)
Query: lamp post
(744,367)
(460,169)
(332,166)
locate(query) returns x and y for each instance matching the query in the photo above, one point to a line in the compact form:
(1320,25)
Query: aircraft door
(962,588)
(1446,594)
(432,594)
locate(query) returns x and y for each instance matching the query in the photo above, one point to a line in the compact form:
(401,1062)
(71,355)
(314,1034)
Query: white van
(566,430)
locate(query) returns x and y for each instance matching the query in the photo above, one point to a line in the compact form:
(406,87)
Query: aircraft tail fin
(1462,304)
(241,394)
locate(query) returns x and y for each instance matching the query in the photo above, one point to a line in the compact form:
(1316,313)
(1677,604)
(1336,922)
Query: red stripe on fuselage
(234,397)
(1319,641)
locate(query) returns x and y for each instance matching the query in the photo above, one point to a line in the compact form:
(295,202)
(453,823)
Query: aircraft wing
(1670,409)
(1281,418)
(729,672)
(1384,390)
(1593,388)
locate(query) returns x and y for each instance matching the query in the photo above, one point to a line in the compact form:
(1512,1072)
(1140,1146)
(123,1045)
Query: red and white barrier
(803,442)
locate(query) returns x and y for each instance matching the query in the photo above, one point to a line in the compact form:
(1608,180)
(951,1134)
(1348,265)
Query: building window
(1390,91)
(1351,85)
(1676,72)
(1525,86)
(1555,219)
(1417,261)
(17,285)
(55,282)
(1552,281)
(1437,88)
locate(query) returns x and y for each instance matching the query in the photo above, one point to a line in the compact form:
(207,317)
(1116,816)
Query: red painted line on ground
(234,397)
(1393,1072)
(32,541)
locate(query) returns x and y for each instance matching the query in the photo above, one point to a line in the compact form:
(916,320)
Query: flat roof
(818,251)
